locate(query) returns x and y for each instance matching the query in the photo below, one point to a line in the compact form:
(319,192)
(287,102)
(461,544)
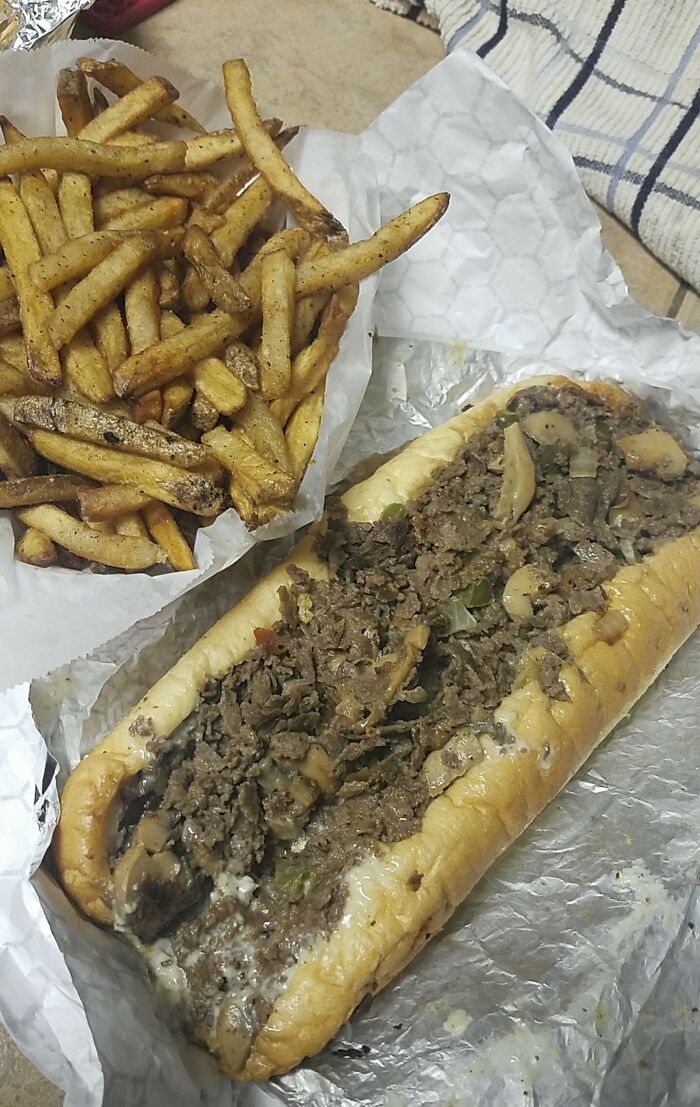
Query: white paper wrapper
(48,608)
(571,976)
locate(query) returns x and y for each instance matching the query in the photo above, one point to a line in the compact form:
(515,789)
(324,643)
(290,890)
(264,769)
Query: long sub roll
(290,814)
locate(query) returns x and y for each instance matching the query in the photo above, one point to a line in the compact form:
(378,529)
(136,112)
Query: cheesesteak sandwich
(289,815)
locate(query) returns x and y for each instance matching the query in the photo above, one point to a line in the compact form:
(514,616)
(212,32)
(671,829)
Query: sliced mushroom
(233,1038)
(653,450)
(399,669)
(518,486)
(550,428)
(152,831)
(625,516)
(460,754)
(139,882)
(611,626)
(317,767)
(519,589)
(583,462)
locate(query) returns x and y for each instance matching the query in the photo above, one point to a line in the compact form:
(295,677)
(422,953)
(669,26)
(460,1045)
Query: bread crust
(389,914)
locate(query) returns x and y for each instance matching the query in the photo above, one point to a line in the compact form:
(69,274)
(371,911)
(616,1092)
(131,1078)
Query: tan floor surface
(330,63)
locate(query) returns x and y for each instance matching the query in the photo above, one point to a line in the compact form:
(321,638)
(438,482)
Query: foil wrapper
(25,24)
(571,975)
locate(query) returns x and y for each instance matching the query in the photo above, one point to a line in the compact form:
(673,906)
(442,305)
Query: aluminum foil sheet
(25,24)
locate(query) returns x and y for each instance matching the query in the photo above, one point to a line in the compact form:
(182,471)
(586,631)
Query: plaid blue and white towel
(619,82)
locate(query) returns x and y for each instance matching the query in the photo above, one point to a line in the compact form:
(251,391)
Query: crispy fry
(170,324)
(277,291)
(222,287)
(243,503)
(21,250)
(43,212)
(264,431)
(73,100)
(10,319)
(148,408)
(79,538)
(158,480)
(207,149)
(13,134)
(119,79)
(352,263)
(293,240)
(110,501)
(302,430)
(131,524)
(228,189)
(142,311)
(203,414)
(75,202)
(16,382)
(309,308)
(155,215)
(133,138)
(259,477)
(24,491)
(35,548)
(191,186)
(74,259)
(263,152)
(12,349)
(243,363)
(7,285)
(109,333)
(92,425)
(17,458)
(194,291)
(117,202)
(165,531)
(219,386)
(176,400)
(77,155)
(135,107)
(107,279)
(240,220)
(169,295)
(172,356)
(100,101)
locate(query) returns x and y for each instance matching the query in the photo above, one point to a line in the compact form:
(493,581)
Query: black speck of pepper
(111,437)
(691,926)
(398,1026)
(693,1010)
(617,876)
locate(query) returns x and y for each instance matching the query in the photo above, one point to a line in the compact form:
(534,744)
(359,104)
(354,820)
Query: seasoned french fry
(107,279)
(165,531)
(79,538)
(219,386)
(89,424)
(203,414)
(109,333)
(131,525)
(155,215)
(158,480)
(170,324)
(17,458)
(302,430)
(77,155)
(243,503)
(43,212)
(10,319)
(75,202)
(207,149)
(240,219)
(293,240)
(222,287)
(308,308)
(176,399)
(74,259)
(259,477)
(12,349)
(119,79)
(228,189)
(73,100)
(35,548)
(354,262)
(191,186)
(264,431)
(17,382)
(277,293)
(100,101)
(110,502)
(243,363)
(263,152)
(142,311)
(133,138)
(135,107)
(7,285)
(21,250)
(148,408)
(172,356)
(24,491)
(169,295)
(117,202)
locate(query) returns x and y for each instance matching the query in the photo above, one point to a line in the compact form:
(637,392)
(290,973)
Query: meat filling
(376,690)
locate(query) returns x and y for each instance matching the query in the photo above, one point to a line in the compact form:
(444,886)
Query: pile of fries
(163,345)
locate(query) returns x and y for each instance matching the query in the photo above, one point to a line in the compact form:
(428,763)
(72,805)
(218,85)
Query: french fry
(107,279)
(167,360)
(17,458)
(117,202)
(7,285)
(142,311)
(222,287)
(73,100)
(158,480)
(302,430)
(109,333)
(74,259)
(21,250)
(100,101)
(191,186)
(170,324)
(203,414)
(10,319)
(243,503)
(243,363)
(219,386)
(148,408)
(35,548)
(17,382)
(277,294)
(135,107)
(12,349)
(308,308)
(79,538)
(176,399)
(77,155)
(259,477)
(228,189)
(119,79)
(89,424)
(360,259)
(169,294)
(293,240)
(240,219)
(133,138)
(25,491)
(207,149)
(264,431)
(165,531)
(131,524)
(155,215)
(262,151)
(75,202)
(43,212)
(110,501)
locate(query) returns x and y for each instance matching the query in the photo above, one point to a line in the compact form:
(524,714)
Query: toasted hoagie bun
(402,893)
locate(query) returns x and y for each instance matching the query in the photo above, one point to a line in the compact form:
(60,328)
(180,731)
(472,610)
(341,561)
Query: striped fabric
(619,82)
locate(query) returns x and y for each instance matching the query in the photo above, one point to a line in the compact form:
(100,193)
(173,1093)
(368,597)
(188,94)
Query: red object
(110,17)
(268,639)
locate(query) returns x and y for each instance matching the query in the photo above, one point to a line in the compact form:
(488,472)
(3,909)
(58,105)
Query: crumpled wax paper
(48,608)
(571,975)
